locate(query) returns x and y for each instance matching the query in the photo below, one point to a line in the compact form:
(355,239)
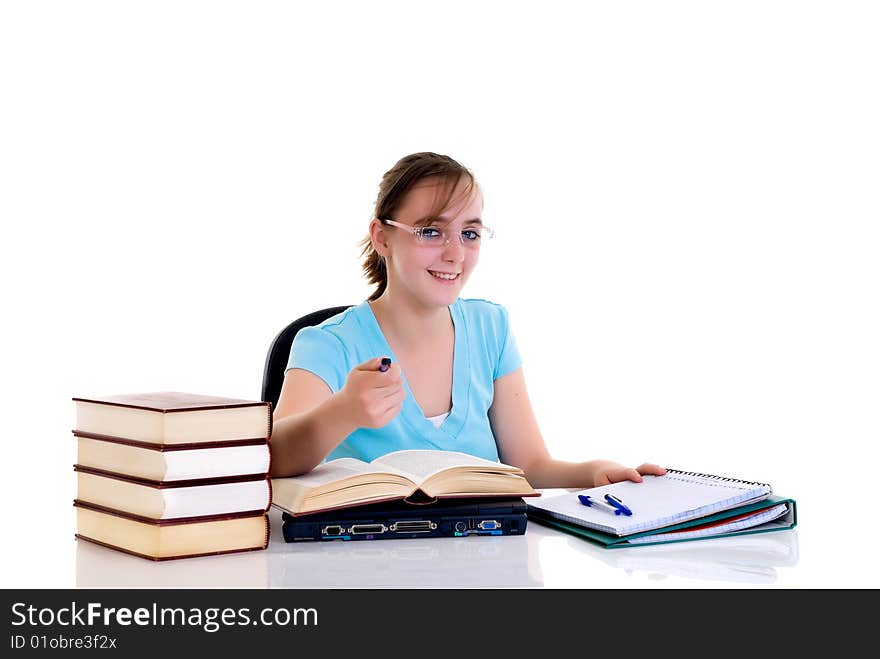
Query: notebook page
(656,502)
(746,522)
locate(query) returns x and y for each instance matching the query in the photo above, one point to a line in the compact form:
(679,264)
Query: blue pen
(600,505)
(617,503)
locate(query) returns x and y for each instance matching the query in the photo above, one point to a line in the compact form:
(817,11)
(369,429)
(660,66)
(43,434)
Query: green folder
(609,541)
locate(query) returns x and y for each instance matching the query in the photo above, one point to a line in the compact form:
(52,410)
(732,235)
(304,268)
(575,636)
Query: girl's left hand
(615,473)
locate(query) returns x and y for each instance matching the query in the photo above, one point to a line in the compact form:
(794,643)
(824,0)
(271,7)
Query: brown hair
(396,183)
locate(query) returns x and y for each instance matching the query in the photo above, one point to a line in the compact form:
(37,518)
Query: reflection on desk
(476,561)
(100,567)
(543,556)
(745,559)
(473,561)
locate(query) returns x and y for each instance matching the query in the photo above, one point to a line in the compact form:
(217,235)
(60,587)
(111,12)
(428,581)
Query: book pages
(421,464)
(342,468)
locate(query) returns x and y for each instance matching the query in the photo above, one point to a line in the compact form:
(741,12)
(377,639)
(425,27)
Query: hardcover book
(421,475)
(173,499)
(160,462)
(173,418)
(170,539)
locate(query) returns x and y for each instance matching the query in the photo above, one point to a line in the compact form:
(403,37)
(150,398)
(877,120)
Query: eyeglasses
(431,236)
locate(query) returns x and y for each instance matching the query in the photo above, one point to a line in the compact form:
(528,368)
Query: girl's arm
(521,444)
(306,424)
(310,420)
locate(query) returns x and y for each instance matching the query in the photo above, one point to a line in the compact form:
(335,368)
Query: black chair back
(279,351)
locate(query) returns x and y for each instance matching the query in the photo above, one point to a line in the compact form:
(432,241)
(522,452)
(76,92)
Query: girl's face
(433,271)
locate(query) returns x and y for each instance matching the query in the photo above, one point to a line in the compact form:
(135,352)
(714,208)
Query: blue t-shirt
(484,351)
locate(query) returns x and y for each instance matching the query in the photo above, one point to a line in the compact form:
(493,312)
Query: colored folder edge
(610,541)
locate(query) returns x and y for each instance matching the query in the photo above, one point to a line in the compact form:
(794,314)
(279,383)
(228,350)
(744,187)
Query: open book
(421,473)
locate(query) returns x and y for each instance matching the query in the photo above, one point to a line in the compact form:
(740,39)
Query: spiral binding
(726,479)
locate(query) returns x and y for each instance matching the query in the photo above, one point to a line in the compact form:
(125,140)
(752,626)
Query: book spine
(269,422)
(266,536)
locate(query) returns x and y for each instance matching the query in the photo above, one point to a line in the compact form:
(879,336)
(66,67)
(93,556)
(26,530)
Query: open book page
(344,468)
(473,483)
(421,464)
(344,481)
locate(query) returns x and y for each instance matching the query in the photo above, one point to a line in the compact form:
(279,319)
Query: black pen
(385,365)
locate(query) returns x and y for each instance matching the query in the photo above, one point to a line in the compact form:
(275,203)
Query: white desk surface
(542,558)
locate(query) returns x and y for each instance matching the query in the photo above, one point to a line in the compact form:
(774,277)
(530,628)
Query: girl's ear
(379,237)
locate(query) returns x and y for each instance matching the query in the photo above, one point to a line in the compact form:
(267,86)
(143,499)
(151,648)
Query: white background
(685,196)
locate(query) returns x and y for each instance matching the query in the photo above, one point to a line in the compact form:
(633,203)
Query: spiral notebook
(656,502)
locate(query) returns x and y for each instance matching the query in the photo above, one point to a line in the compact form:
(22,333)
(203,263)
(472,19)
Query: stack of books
(171,475)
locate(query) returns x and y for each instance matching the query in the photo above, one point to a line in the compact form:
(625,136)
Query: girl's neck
(408,323)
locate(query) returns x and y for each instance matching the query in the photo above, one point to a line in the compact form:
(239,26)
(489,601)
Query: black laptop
(447,518)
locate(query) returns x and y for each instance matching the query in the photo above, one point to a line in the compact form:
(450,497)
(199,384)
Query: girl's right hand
(373,398)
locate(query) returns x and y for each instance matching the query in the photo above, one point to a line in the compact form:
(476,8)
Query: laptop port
(364,529)
(461,527)
(333,530)
(413,526)
(489,525)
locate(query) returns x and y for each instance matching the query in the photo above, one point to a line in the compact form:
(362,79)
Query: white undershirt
(439,419)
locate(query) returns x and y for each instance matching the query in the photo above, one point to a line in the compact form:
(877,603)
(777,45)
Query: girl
(455,380)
